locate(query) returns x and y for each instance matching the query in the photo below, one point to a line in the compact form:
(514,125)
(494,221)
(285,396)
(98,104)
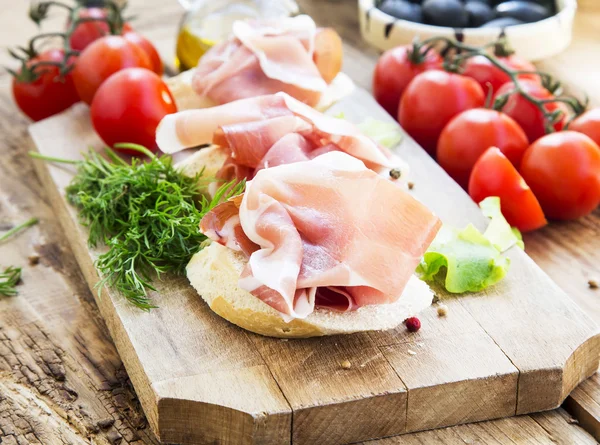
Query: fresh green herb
(467,260)
(9,280)
(146,213)
(11,232)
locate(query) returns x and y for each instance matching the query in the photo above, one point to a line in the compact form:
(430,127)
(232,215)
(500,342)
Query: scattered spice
(411,185)
(346,364)
(442,310)
(395,173)
(34,259)
(436,299)
(593,284)
(413,324)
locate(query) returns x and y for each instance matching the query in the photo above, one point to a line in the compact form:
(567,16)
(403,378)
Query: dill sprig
(11,232)
(9,280)
(146,213)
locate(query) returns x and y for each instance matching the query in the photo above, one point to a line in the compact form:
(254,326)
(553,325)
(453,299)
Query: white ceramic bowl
(533,41)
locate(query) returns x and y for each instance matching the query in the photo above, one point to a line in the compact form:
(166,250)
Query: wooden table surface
(61,379)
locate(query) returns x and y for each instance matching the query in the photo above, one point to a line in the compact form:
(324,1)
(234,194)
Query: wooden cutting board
(519,347)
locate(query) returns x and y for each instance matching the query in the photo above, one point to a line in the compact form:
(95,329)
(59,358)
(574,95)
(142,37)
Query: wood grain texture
(201,379)
(84,395)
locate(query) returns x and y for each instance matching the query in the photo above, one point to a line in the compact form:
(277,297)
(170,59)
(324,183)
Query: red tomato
(129,105)
(149,49)
(87,32)
(431,100)
(49,93)
(102,58)
(394,71)
(589,124)
(563,170)
(489,75)
(494,175)
(471,133)
(527,115)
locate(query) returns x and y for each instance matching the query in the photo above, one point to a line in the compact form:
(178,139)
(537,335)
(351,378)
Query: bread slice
(207,160)
(214,273)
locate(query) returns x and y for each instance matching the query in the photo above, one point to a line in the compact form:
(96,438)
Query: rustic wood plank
(61,379)
(584,404)
(331,404)
(540,429)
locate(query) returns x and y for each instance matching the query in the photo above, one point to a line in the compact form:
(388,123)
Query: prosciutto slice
(262,57)
(327,232)
(251,128)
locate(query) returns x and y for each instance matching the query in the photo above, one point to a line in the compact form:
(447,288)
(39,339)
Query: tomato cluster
(116,71)
(503,152)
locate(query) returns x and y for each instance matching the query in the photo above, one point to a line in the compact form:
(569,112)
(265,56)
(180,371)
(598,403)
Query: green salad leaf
(499,231)
(467,260)
(387,134)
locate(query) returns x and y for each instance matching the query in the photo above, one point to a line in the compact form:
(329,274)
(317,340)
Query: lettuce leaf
(387,134)
(499,232)
(467,260)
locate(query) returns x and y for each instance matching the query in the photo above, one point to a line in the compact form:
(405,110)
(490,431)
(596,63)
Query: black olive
(445,13)
(490,3)
(402,9)
(522,10)
(502,23)
(479,13)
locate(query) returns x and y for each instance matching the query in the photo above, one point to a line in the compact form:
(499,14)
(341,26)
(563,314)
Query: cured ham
(255,133)
(265,57)
(327,232)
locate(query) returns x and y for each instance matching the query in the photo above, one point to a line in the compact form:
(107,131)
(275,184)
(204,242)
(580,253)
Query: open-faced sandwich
(324,240)
(317,247)
(261,132)
(264,57)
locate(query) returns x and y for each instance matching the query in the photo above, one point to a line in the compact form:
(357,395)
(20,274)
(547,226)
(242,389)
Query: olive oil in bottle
(208,22)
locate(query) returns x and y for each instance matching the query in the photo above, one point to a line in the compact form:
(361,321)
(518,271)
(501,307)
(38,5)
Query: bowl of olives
(536,29)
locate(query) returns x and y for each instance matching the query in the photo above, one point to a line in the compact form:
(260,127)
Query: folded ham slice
(263,57)
(326,232)
(254,132)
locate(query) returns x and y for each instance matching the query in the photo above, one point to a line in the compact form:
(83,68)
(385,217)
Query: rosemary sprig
(9,280)
(146,213)
(11,232)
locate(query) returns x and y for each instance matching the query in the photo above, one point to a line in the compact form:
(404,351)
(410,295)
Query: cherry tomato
(431,100)
(102,58)
(489,75)
(471,133)
(149,49)
(394,71)
(589,124)
(563,170)
(87,32)
(129,105)
(528,115)
(494,175)
(49,93)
